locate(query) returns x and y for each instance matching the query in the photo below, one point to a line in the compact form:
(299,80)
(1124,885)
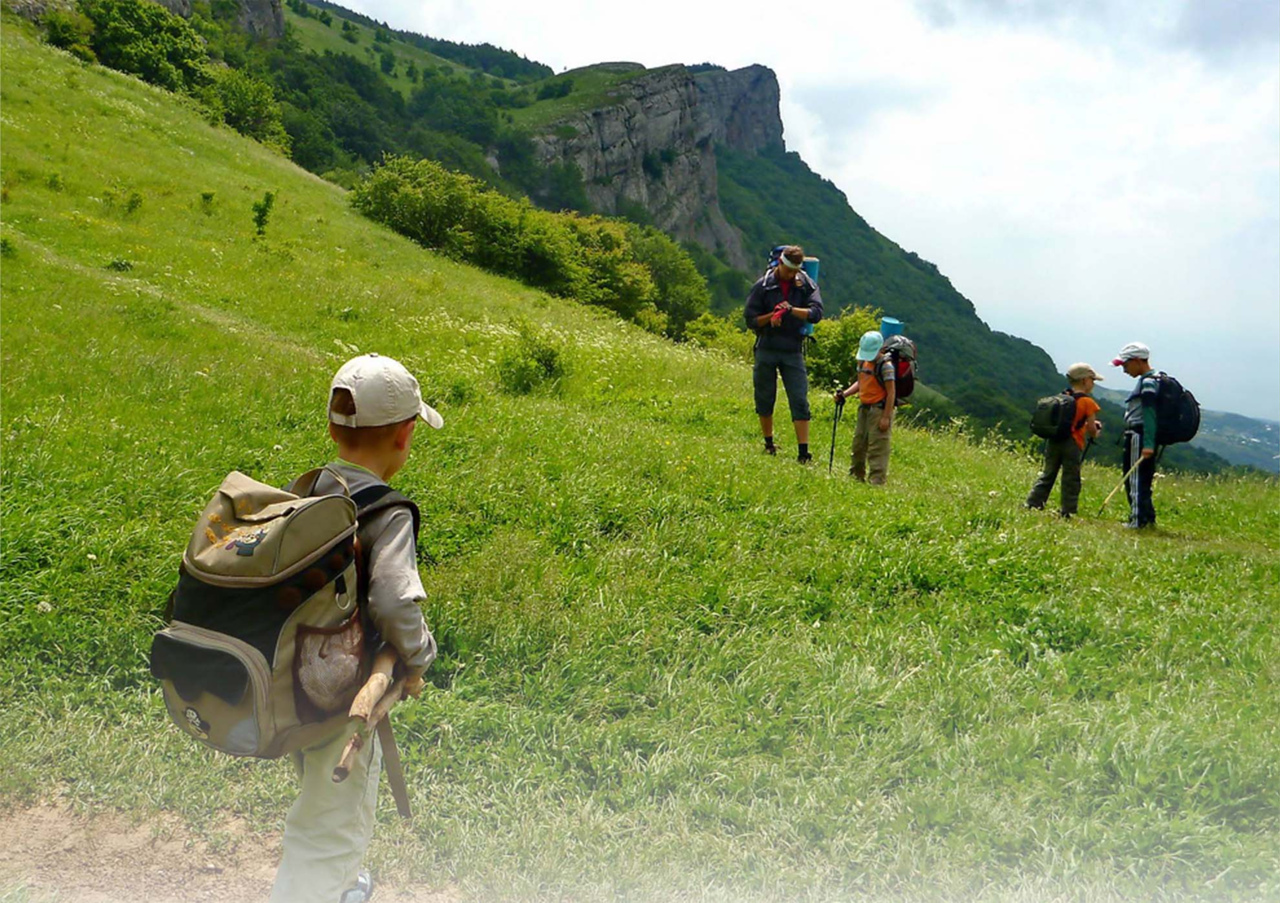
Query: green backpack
(267,646)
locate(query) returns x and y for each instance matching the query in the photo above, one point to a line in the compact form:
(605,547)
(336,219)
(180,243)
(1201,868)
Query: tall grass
(671,668)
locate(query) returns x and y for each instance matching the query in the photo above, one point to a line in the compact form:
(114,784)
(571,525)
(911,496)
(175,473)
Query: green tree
(72,31)
(145,39)
(248,105)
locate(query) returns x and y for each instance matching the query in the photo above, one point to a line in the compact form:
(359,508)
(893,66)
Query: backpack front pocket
(215,687)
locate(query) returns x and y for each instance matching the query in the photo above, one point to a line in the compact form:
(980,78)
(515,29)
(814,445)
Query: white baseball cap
(384,392)
(1131,351)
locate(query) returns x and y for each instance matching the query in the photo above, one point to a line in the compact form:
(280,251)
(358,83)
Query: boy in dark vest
(1140,417)
(778,306)
(374,407)
(1066,454)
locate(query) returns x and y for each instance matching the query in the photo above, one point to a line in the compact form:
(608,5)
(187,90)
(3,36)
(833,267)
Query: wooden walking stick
(1124,479)
(371,708)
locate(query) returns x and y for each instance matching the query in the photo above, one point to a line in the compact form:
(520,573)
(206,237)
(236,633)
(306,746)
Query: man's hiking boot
(804,459)
(771,450)
(363,890)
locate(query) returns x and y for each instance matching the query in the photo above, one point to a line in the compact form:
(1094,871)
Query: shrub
(609,263)
(387,62)
(145,39)
(72,31)
(119,265)
(831,358)
(560,87)
(262,210)
(533,360)
(711,331)
(54,182)
(247,104)
(206,202)
(8,248)
(132,203)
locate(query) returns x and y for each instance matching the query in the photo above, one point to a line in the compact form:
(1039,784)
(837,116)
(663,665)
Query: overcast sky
(1087,172)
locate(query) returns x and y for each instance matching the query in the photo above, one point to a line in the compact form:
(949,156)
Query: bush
(145,39)
(247,104)
(534,359)
(831,358)
(711,331)
(72,31)
(262,211)
(609,263)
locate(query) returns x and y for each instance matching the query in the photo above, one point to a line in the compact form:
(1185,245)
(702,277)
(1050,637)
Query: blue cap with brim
(870,346)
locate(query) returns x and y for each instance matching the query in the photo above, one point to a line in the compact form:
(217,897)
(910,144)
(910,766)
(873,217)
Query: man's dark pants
(1064,455)
(1142,511)
(795,379)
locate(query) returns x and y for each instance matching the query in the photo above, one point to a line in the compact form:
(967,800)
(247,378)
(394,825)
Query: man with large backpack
(1141,428)
(778,307)
(1065,421)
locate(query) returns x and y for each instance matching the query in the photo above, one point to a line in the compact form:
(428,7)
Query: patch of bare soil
(56,854)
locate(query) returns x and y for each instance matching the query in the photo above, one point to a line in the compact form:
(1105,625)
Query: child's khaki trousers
(870,446)
(329,825)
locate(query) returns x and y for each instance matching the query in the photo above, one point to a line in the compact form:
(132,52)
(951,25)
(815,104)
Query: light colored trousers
(870,446)
(329,825)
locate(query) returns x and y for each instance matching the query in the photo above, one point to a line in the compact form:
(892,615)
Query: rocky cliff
(264,18)
(653,146)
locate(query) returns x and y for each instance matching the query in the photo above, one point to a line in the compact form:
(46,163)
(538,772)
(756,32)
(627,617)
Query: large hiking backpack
(267,646)
(902,351)
(1177,412)
(1055,415)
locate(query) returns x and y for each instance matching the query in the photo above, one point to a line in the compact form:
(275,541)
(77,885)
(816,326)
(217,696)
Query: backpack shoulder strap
(373,499)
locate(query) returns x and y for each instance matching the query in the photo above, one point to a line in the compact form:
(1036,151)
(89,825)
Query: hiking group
(785,302)
(296,623)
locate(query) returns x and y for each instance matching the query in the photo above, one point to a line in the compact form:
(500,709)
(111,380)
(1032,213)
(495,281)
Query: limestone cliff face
(264,18)
(654,144)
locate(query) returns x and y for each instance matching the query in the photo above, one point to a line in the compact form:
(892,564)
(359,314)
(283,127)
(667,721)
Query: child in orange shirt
(1066,454)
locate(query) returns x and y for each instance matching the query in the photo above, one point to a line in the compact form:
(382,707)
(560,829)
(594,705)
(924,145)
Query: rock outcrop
(653,146)
(263,18)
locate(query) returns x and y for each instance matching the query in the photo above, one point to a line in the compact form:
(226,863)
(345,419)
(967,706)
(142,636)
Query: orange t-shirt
(869,389)
(1086,407)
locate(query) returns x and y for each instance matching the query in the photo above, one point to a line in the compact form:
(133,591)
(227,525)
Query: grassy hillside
(314,35)
(671,668)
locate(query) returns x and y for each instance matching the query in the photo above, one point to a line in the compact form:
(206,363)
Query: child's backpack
(1177,412)
(1055,415)
(267,646)
(902,351)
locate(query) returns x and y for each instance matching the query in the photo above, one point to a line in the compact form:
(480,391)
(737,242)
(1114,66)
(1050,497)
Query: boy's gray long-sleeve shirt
(395,587)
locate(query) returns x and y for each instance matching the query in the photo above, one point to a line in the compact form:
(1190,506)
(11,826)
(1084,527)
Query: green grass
(671,668)
(313,35)
(593,87)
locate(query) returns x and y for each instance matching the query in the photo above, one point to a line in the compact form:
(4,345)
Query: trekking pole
(835,423)
(1088,445)
(1124,479)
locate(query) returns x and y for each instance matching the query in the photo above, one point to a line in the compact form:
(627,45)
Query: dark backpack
(1055,415)
(902,352)
(1177,412)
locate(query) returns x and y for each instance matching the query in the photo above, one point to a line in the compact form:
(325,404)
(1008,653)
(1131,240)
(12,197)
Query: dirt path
(52,853)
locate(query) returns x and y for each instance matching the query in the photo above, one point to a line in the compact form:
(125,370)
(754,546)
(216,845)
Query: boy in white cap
(877,391)
(1067,453)
(1140,432)
(374,407)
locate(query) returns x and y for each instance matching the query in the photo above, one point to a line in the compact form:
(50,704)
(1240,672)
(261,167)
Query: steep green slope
(671,668)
